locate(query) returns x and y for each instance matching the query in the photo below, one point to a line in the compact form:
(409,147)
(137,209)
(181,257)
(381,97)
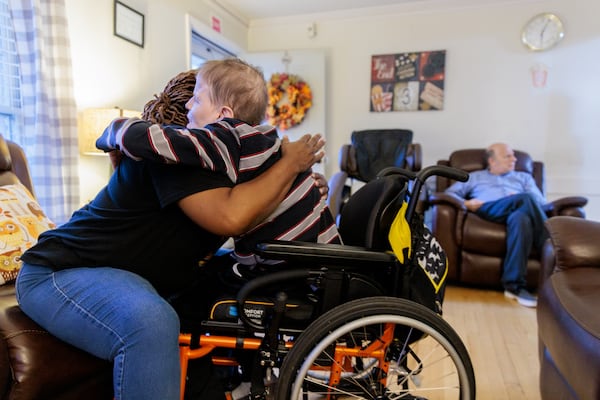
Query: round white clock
(542,32)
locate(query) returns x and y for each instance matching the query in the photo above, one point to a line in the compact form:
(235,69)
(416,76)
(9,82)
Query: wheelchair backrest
(366,219)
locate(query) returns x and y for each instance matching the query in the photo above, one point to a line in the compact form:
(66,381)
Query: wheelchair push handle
(422,175)
(443,171)
(419,179)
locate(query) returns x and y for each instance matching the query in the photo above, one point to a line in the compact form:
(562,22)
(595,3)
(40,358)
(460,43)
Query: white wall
(488,92)
(310,65)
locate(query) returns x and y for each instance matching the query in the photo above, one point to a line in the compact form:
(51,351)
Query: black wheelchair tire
(321,333)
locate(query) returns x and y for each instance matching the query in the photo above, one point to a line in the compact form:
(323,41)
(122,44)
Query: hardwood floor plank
(501,337)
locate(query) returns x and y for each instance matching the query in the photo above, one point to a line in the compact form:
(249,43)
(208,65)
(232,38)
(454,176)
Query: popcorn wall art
(408,81)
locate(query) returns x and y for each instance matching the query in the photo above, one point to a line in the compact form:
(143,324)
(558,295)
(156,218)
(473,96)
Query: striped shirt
(241,152)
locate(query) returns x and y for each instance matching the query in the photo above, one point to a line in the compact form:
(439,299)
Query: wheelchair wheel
(377,348)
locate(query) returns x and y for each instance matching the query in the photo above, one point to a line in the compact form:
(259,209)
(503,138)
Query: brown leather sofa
(34,365)
(567,311)
(370,151)
(476,247)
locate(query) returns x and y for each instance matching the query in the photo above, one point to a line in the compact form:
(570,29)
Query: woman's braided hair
(168,107)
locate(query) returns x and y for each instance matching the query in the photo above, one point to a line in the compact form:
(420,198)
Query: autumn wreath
(289,100)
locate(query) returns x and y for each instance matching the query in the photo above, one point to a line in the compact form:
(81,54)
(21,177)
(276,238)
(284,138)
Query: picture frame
(128,24)
(409,81)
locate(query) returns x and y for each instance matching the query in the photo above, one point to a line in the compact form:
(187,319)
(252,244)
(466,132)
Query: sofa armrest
(414,157)
(567,206)
(575,242)
(439,198)
(547,261)
(338,192)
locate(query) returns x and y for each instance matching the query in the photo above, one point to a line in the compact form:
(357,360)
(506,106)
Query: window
(10,76)
(204,49)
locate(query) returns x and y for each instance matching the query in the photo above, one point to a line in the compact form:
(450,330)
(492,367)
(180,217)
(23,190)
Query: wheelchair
(342,321)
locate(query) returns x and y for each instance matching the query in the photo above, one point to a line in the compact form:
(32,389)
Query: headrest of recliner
(524,162)
(475,159)
(373,150)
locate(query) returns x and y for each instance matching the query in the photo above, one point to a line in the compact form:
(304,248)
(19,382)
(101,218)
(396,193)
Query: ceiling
(257,9)
(248,10)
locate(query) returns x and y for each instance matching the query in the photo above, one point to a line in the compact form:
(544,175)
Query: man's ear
(226,112)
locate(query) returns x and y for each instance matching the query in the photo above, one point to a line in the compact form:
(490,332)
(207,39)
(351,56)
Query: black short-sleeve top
(134,223)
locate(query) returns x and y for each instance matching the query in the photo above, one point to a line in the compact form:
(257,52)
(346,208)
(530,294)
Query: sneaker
(522,296)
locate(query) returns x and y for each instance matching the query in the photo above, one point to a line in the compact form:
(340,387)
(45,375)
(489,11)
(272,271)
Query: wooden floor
(501,337)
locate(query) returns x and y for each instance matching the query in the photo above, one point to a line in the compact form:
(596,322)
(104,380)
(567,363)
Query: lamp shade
(92,122)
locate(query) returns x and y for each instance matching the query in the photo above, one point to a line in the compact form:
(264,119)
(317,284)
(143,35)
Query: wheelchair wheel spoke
(369,350)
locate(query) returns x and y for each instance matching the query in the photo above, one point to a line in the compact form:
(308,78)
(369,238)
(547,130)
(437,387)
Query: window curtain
(49,133)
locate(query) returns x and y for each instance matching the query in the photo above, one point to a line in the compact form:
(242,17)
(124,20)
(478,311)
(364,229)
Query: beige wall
(488,91)
(109,71)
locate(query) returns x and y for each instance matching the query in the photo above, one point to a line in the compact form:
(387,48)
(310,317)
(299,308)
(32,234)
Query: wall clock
(542,32)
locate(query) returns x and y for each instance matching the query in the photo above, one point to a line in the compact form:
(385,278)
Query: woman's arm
(233,211)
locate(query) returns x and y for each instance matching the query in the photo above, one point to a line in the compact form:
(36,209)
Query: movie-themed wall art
(408,81)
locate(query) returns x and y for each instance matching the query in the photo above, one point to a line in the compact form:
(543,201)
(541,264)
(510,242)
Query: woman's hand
(321,184)
(303,153)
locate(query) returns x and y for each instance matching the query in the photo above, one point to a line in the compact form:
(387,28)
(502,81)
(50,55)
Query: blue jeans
(524,219)
(113,314)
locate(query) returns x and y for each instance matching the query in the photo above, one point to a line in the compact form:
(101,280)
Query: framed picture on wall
(128,24)
(412,81)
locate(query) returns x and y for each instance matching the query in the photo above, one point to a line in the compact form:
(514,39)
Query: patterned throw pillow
(21,222)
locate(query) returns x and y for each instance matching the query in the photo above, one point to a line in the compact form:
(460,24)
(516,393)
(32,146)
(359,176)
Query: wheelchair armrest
(322,253)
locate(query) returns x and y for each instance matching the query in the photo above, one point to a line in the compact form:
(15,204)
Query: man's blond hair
(236,84)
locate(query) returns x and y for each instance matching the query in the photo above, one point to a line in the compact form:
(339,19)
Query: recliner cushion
(43,366)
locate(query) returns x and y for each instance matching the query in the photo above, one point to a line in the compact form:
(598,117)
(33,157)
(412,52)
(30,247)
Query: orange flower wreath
(289,100)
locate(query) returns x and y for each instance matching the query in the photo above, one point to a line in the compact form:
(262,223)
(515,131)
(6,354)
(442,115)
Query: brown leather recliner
(33,364)
(371,151)
(476,247)
(567,311)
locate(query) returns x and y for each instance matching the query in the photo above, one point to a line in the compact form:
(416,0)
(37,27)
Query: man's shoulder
(479,172)
(479,175)
(522,175)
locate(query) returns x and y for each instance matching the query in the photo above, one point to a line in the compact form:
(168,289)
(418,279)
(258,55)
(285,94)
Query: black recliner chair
(371,151)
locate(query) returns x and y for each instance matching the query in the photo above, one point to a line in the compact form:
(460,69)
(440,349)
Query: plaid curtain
(49,134)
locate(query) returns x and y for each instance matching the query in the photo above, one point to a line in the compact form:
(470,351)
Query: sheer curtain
(49,134)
